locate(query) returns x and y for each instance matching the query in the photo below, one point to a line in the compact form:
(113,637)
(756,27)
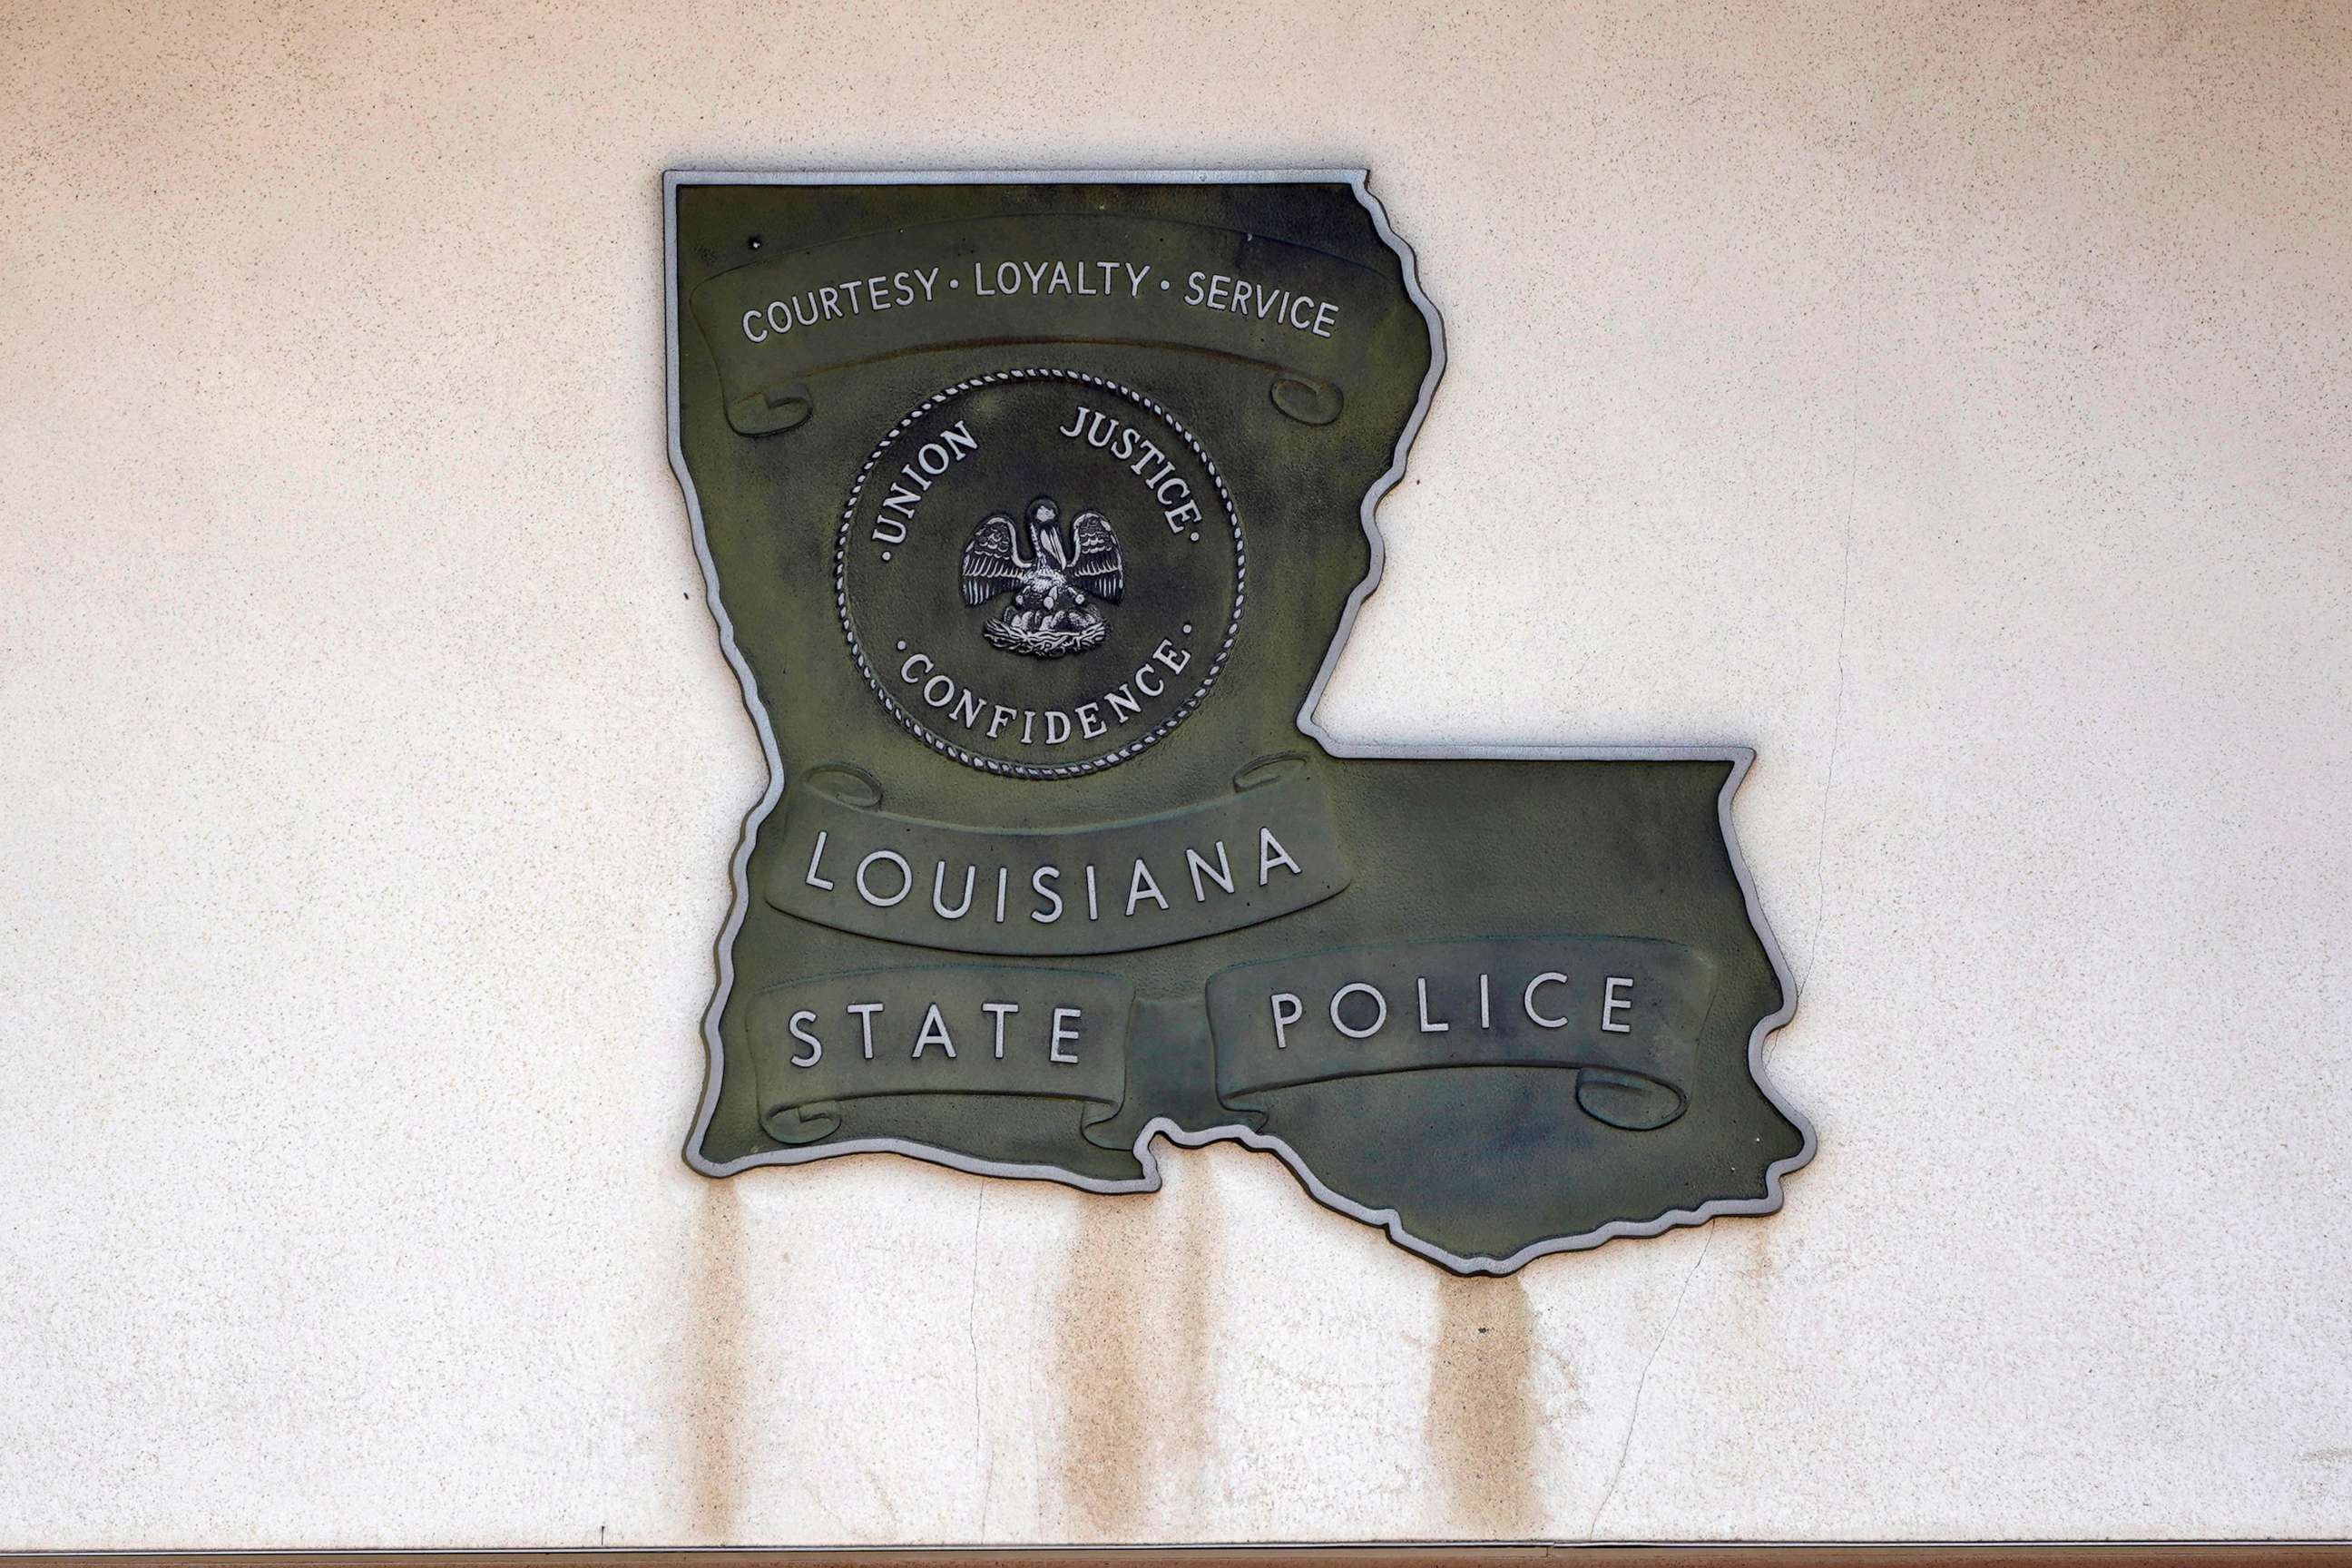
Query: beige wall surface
(1954,403)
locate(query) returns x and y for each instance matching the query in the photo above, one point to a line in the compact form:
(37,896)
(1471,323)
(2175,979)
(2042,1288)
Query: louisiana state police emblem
(1034,513)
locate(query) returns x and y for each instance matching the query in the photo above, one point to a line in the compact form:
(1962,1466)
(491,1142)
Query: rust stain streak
(1104,1450)
(1189,1426)
(1136,1345)
(1482,1420)
(721,1356)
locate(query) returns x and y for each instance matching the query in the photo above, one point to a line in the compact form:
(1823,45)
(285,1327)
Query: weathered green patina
(1035,509)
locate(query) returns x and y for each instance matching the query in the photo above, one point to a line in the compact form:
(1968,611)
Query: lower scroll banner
(1051,1033)
(1622,1013)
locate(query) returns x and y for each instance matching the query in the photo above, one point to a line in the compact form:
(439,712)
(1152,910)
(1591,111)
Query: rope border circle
(939,743)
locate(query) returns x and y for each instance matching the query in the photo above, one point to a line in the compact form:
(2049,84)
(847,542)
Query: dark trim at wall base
(1432,1555)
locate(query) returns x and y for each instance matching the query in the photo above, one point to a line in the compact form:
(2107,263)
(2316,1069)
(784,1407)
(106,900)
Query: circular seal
(1039,572)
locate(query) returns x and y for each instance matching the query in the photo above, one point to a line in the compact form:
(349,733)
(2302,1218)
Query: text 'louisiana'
(883,878)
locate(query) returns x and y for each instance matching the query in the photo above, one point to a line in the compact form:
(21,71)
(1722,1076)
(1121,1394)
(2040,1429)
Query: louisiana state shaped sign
(1035,510)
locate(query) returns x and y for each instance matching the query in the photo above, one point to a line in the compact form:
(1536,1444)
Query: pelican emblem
(1055,581)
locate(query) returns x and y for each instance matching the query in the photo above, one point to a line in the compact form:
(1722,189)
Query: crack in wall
(971,1337)
(1633,1421)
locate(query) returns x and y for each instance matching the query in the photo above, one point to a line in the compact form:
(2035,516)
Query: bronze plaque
(1035,509)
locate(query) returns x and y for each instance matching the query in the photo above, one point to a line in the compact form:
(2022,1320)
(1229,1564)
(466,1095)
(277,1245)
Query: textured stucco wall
(1949,402)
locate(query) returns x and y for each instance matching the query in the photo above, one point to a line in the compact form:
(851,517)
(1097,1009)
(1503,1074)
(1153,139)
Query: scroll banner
(1625,1010)
(776,326)
(1269,850)
(1056,1033)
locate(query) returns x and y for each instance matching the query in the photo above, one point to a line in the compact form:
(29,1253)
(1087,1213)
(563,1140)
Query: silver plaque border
(1740,758)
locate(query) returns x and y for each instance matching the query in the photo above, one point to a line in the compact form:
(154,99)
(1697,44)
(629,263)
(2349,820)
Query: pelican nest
(1002,634)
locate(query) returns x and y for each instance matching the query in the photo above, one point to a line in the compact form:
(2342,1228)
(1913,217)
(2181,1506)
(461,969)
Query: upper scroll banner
(1035,509)
(1302,318)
